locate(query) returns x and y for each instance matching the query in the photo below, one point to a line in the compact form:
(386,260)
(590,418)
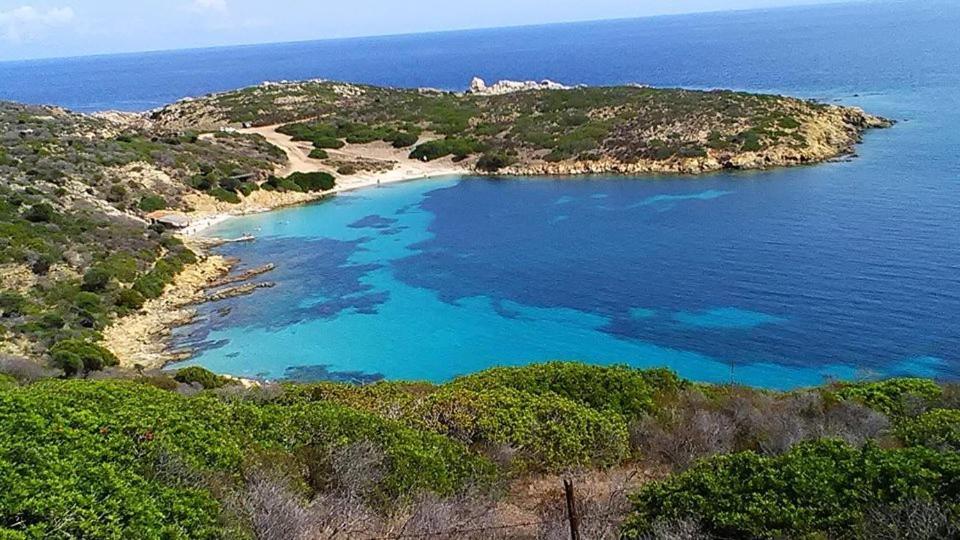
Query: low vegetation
(75,252)
(679,129)
(195,455)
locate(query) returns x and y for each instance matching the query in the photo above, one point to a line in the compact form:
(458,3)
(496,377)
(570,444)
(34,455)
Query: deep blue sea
(777,279)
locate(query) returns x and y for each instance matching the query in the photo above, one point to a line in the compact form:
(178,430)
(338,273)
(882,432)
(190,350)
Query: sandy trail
(403,168)
(298,154)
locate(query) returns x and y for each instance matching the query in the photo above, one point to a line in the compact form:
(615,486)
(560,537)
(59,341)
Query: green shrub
(205,378)
(121,266)
(247,188)
(119,459)
(619,389)
(938,429)
(749,141)
(460,148)
(347,170)
(816,490)
(327,142)
(130,299)
(788,122)
(319,153)
(891,396)
(116,193)
(152,203)
(96,279)
(416,460)
(79,460)
(150,285)
(39,213)
(548,432)
(404,139)
(312,181)
(12,304)
(223,195)
(74,355)
(493,162)
(165,269)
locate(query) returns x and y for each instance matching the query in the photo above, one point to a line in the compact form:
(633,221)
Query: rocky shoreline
(141,340)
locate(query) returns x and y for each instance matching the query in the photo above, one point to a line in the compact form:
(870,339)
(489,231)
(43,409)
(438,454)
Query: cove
(746,278)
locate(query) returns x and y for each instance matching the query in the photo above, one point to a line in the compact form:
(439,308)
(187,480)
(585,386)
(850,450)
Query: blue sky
(50,28)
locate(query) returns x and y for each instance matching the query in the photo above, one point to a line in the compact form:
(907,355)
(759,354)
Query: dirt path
(298,153)
(402,167)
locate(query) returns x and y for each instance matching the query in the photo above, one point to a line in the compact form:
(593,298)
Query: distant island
(542,128)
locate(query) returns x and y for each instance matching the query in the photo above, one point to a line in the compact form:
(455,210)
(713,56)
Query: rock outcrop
(479,86)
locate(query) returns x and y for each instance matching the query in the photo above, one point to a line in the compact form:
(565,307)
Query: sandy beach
(395,166)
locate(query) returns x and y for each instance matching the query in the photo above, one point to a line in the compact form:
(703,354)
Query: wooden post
(572,510)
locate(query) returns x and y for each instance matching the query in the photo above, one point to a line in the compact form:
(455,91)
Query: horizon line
(445,31)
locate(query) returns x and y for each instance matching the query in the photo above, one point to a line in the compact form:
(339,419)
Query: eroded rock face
(478,86)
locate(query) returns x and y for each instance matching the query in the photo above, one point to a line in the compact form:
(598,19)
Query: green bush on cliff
(493,162)
(165,269)
(819,489)
(892,397)
(327,142)
(96,279)
(223,195)
(130,299)
(152,203)
(404,139)
(12,304)
(39,213)
(204,377)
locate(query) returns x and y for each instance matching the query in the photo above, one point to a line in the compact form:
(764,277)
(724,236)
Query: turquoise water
(777,279)
(340,304)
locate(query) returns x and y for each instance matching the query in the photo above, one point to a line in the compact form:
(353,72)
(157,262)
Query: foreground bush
(77,460)
(539,432)
(819,488)
(893,397)
(619,389)
(116,459)
(938,429)
(702,421)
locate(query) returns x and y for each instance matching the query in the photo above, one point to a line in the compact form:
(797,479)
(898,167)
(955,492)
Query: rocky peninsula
(92,205)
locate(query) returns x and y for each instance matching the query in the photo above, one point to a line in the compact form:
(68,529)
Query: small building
(169,219)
